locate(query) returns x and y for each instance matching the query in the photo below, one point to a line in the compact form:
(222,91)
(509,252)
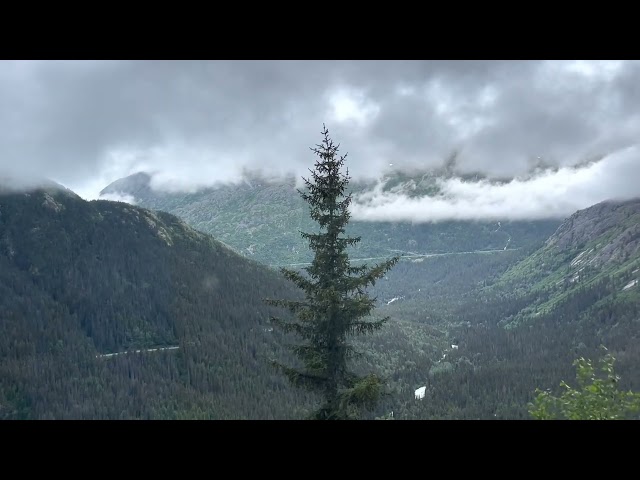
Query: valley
(429,298)
(479,329)
(261,219)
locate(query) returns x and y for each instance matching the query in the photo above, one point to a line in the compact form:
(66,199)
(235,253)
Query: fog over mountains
(446,194)
(195,124)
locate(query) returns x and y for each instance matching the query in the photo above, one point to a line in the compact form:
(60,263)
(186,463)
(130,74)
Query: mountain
(596,249)
(522,328)
(260,218)
(112,311)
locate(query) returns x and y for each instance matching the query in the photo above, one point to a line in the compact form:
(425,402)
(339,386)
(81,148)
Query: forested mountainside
(596,250)
(522,328)
(261,219)
(81,282)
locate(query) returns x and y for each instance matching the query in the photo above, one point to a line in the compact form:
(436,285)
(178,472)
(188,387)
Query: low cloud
(200,123)
(547,193)
(118,197)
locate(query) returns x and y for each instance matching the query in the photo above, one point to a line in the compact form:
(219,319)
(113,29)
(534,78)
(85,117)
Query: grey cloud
(195,123)
(550,193)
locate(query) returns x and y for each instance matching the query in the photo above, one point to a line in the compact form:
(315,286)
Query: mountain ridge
(597,244)
(80,280)
(261,220)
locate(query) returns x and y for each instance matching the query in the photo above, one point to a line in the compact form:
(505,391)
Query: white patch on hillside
(144,350)
(50,203)
(394,299)
(580,258)
(119,197)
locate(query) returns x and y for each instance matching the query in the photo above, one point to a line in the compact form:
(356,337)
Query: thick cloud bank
(85,124)
(551,193)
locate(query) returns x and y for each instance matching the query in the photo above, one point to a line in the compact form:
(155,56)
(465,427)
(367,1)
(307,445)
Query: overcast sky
(194,123)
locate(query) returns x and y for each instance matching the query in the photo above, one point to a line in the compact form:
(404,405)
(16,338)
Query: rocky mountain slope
(600,244)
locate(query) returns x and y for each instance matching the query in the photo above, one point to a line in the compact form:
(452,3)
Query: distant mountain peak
(131,185)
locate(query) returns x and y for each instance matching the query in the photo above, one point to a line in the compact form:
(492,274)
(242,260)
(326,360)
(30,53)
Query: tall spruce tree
(336,304)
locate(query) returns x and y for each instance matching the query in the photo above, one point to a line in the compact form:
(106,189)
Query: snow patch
(420,393)
(632,283)
(579,259)
(444,355)
(394,299)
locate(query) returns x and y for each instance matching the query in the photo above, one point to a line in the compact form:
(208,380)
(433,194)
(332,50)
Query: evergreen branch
(300,281)
(293,306)
(299,378)
(364,394)
(289,327)
(366,328)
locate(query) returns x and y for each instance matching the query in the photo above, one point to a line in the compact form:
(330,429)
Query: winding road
(144,350)
(410,255)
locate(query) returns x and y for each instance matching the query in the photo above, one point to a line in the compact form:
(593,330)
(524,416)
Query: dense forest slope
(81,283)
(80,280)
(521,329)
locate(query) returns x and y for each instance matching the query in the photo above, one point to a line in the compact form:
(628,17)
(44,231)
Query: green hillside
(596,246)
(517,321)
